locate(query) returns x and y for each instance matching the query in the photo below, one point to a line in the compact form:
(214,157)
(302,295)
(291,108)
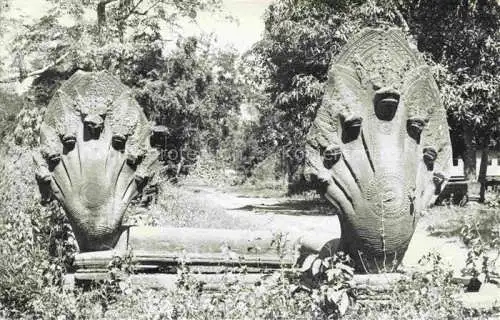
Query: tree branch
(36,72)
(135,7)
(101,12)
(134,10)
(405,26)
(105,2)
(129,13)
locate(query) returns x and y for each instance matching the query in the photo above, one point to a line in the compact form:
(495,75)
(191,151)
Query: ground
(237,209)
(437,232)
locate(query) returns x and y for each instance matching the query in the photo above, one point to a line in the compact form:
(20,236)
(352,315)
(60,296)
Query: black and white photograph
(250,159)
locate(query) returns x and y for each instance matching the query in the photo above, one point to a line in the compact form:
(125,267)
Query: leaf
(346,269)
(192,14)
(308,262)
(343,304)
(334,296)
(316,267)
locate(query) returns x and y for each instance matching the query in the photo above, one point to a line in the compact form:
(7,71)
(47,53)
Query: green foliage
(30,278)
(215,170)
(426,295)
(271,298)
(123,30)
(196,92)
(10,104)
(470,223)
(482,236)
(478,229)
(29,120)
(191,88)
(493,200)
(330,282)
(25,236)
(178,207)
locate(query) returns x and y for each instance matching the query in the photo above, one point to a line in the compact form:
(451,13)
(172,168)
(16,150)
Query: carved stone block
(394,162)
(95,155)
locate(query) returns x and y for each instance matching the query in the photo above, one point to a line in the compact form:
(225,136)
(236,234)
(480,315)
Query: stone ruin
(97,154)
(378,150)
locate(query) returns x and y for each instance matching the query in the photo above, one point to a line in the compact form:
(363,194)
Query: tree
(102,34)
(193,90)
(463,38)
(4,7)
(299,41)
(195,93)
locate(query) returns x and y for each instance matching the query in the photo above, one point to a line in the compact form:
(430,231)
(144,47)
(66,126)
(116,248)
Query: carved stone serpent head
(95,155)
(379,146)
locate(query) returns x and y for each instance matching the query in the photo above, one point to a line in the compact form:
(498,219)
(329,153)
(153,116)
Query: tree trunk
(124,8)
(101,18)
(470,164)
(483,167)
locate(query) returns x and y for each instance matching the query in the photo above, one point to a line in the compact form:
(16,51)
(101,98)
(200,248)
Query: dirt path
(296,215)
(452,250)
(277,214)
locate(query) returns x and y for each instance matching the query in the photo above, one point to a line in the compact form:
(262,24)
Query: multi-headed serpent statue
(379,149)
(96,155)
(379,146)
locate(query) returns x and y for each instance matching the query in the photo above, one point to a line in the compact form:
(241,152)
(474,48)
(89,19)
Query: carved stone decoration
(379,146)
(95,155)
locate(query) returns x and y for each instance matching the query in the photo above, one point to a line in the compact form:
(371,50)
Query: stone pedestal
(162,250)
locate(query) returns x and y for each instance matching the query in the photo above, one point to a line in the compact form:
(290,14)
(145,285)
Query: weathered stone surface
(95,155)
(164,249)
(168,281)
(379,147)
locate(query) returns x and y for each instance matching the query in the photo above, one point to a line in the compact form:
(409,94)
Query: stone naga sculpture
(379,147)
(95,155)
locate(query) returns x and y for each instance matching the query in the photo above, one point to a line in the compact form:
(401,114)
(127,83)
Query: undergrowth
(478,228)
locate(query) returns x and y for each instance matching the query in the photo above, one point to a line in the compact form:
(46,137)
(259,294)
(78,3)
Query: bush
(10,104)
(26,267)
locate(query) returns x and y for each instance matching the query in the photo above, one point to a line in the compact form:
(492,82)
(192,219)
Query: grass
(450,221)
(179,207)
(478,228)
